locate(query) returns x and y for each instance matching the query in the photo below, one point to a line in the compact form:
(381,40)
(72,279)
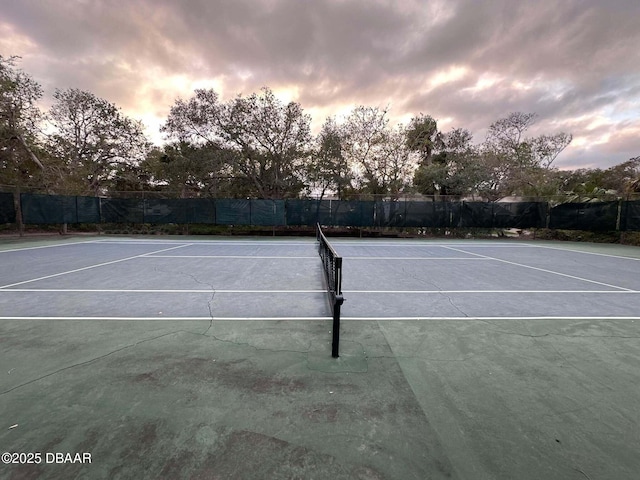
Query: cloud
(465,62)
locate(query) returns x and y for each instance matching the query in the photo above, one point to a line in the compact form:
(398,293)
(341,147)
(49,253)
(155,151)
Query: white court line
(543,270)
(448,292)
(543,317)
(423,318)
(588,253)
(196,242)
(315,257)
(414,258)
(116,290)
(208,319)
(47,246)
(424,243)
(90,266)
(376,292)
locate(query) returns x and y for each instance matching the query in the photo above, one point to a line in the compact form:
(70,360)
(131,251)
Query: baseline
(252,257)
(546,292)
(142,290)
(418,318)
(261,242)
(488,318)
(208,319)
(413,258)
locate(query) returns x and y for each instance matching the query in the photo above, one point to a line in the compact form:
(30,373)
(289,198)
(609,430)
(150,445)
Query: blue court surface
(183,357)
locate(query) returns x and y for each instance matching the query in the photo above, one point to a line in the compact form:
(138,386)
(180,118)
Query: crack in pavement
(210,307)
(199,282)
(553,334)
(437,287)
(209,302)
(87,362)
(563,358)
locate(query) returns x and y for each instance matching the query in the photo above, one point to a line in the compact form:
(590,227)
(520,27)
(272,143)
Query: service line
(91,266)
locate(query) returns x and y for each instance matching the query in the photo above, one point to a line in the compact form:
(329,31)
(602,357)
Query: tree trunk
(32,155)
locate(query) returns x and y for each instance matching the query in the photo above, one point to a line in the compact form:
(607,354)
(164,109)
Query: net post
(335,343)
(337,279)
(338,299)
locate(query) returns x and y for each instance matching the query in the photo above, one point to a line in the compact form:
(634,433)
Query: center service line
(117,290)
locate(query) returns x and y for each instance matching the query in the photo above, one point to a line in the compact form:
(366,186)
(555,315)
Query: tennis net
(332,266)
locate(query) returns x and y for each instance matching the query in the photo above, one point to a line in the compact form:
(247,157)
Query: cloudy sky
(467,63)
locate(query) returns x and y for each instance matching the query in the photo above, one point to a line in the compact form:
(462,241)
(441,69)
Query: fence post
(17,202)
(622,218)
(619,215)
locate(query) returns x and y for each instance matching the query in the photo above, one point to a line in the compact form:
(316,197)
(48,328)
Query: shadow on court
(463,398)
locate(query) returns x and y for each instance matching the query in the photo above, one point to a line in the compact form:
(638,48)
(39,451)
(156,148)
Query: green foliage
(20,120)
(519,165)
(452,168)
(619,180)
(423,137)
(378,159)
(327,170)
(270,141)
(189,170)
(94,139)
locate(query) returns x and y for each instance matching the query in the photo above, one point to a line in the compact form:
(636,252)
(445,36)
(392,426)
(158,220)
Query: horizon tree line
(259,147)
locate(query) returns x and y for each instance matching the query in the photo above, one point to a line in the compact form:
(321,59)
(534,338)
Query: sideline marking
(543,270)
(234,256)
(117,290)
(377,292)
(547,317)
(208,319)
(543,317)
(262,242)
(414,258)
(315,257)
(624,292)
(90,266)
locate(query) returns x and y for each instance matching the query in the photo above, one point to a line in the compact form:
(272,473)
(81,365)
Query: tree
(423,137)
(20,120)
(519,163)
(632,186)
(94,138)
(546,148)
(506,138)
(397,165)
(454,168)
(622,176)
(271,140)
(378,158)
(191,170)
(328,170)
(617,180)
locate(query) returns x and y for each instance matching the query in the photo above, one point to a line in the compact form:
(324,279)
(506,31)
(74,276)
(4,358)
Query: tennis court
(192,358)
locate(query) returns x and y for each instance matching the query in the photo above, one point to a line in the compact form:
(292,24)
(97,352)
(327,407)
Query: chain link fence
(615,215)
